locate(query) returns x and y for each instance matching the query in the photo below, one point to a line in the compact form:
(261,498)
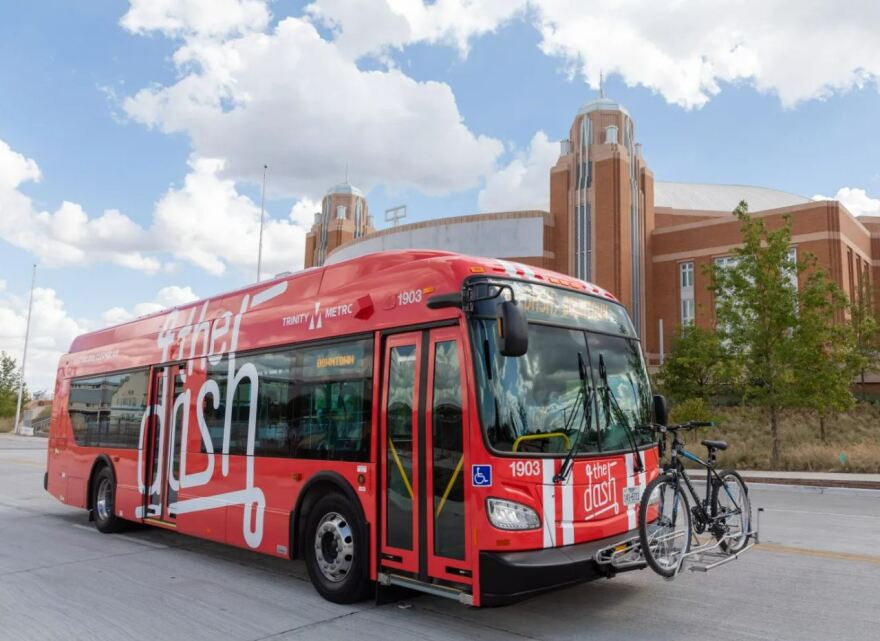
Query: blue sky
(96,95)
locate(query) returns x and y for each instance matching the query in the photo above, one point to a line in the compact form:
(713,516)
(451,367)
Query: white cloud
(371,28)
(66,236)
(524,183)
(685,50)
(52,331)
(230,235)
(291,99)
(203,17)
(303,212)
(205,222)
(167,297)
(15,169)
(857,201)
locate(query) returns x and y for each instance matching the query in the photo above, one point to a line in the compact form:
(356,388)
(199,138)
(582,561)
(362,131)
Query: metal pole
(27,332)
(262,216)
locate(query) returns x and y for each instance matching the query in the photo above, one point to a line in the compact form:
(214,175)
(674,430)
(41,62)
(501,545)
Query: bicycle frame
(676,467)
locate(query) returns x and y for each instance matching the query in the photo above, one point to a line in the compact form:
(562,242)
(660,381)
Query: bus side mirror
(513,331)
(661,412)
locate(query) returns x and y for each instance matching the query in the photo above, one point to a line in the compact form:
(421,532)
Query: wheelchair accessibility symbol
(481,475)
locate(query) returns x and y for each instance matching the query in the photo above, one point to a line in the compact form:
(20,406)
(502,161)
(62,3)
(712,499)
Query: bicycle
(667,522)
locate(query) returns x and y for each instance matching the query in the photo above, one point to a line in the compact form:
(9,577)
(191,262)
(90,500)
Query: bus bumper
(506,577)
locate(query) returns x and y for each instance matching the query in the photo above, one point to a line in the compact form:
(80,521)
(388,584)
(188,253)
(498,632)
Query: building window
(686,292)
(340,212)
(792,271)
(726,261)
(611,135)
(687,311)
(687,275)
(852,285)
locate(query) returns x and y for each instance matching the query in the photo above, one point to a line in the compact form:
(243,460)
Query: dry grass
(852,440)
(6,424)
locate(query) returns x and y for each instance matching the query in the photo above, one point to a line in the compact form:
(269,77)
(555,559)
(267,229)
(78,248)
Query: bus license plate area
(632,495)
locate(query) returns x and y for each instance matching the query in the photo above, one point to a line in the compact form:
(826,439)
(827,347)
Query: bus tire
(104,502)
(336,550)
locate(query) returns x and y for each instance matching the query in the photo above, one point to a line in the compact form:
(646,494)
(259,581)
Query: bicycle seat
(714,445)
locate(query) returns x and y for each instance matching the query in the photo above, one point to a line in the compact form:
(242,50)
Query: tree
(866,330)
(693,368)
(768,327)
(10,375)
(825,355)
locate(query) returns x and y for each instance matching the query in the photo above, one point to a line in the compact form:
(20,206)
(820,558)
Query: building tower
(602,203)
(344,216)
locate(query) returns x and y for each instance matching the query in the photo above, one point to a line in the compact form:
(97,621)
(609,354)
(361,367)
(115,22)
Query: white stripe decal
(630,509)
(269,293)
(568,510)
(642,478)
(549,500)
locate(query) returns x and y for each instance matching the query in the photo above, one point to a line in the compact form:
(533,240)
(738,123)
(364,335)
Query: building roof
(602,104)
(345,188)
(703,197)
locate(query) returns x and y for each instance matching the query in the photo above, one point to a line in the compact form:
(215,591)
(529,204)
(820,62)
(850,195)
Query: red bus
(467,427)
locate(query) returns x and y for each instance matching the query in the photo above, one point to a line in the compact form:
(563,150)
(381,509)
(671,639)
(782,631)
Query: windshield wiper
(611,401)
(587,397)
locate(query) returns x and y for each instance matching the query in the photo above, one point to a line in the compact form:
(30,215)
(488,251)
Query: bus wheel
(336,550)
(104,502)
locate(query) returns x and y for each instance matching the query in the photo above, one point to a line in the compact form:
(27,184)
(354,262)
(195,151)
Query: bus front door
(424,460)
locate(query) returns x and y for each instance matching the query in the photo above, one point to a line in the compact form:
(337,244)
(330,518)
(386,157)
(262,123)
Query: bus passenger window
(274,419)
(332,401)
(311,402)
(106,411)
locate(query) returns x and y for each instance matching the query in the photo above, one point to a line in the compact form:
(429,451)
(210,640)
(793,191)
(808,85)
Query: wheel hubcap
(334,547)
(105,500)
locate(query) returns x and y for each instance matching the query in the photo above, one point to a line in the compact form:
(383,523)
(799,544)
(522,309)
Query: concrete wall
(504,236)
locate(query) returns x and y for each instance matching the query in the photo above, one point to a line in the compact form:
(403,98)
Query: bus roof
(318,302)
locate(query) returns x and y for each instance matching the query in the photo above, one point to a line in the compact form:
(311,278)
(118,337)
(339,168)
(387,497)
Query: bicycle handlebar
(680,426)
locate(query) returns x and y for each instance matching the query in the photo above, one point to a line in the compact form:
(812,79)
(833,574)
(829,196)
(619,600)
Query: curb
(845,483)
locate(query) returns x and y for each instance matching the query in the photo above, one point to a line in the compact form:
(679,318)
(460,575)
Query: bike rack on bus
(627,554)
(623,555)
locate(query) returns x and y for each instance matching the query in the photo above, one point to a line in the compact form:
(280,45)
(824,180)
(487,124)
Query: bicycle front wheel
(664,525)
(732,510)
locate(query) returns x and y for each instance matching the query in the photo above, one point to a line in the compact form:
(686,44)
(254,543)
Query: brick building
(610,223)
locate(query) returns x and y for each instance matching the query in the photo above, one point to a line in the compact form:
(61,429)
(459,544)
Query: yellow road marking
(843,556)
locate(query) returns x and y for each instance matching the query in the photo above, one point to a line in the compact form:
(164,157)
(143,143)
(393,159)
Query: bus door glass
(424,457)
(161,486)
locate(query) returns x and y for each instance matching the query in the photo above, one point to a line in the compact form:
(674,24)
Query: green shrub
(693,409)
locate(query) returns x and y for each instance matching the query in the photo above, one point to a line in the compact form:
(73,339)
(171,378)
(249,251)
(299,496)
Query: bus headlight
(507,515)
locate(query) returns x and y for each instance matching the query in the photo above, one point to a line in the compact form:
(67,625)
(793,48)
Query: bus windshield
(534,404)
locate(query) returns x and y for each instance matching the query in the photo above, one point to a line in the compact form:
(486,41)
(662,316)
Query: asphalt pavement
(815,575)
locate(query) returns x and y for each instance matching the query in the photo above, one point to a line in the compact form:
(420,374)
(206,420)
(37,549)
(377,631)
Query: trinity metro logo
(316,318)
(315,321)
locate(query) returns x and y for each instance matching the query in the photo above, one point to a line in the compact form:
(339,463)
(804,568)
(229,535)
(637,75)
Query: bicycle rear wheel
(664,525)
(731,506)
